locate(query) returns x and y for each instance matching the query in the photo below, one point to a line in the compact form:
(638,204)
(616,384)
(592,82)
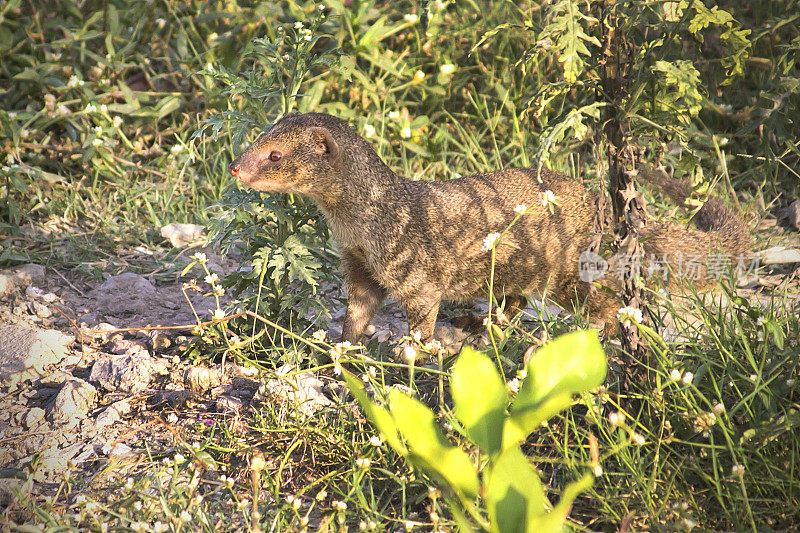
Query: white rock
(180,235)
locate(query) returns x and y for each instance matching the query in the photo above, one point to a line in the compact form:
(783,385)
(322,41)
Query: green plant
(280,232)
(510,487)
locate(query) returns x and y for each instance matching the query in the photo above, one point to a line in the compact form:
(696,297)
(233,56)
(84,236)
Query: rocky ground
(87,378)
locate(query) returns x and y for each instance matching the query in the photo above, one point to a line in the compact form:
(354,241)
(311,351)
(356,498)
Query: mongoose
(426,241)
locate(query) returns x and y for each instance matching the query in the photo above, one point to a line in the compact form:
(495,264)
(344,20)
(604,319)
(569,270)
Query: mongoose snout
(426,241)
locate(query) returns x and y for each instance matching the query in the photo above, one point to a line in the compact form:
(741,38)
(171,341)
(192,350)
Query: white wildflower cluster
(74,81)
(303,32)
(319,335)
(294,501)
(410,18)
(90,108)
(630,315)
(363,463)
(369,130)
(548,197)
(376,441)
(520,209)
(489,240)
(616,418)
(447,69)
(702,424)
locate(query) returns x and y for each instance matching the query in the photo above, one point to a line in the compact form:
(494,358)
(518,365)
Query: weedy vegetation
(119,117)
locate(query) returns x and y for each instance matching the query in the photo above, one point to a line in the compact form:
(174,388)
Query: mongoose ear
(324,142)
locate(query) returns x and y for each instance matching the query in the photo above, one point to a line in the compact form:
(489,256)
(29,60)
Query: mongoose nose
(234,170)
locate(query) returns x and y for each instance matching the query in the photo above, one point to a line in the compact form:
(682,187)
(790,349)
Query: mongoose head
(294,156)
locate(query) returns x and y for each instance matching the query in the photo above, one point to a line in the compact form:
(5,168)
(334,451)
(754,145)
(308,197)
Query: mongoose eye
(275,156)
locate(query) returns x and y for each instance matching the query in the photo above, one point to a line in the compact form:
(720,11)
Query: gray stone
(20,277)
(73,402)
(25,353)
(34,417)
(302,391)
(200,379)
(125,372)
(229,404)
(114,413)
(780,254)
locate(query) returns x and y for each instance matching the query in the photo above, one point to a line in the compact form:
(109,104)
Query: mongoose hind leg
(364,297)
(421,312)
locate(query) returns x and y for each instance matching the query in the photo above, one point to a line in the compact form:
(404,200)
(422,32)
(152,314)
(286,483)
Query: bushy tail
(725,227)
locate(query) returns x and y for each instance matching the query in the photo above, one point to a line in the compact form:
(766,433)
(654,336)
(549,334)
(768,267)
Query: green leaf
(428,447)
(572,363)
(554,520)
(514,493)
(480,399)
(379,416)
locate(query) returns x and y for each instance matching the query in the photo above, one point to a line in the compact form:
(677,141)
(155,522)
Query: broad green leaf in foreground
(378,415)
(429,449)
(572,363)
(514,493)
(480,399)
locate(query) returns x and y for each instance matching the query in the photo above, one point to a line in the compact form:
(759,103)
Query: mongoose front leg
(364,297)
(421,313)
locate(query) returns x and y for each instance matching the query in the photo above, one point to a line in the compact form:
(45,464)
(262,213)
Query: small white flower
(212,278)
(321,7)
(97,142)
(410,354)
(176,149)
(637,438)
(24,133)
(597,470)
(394,115)
(73,81)
(629,315)
(90,108)
(737,470)
(103,108)
(98,130)
(339,505)
(405,133)
(616,418)
(218,314)
(548,197)
(719,408)
(411,18)
(117,121)
(319,335)
(321,495)
(376,441)
(687,378)
(212,36)
(675,374)
(12,114)
(363,463)
(179,458)
(419,75)
(308,36)
(63,110)
(520,208)
(489,240)
(286,57)
(160,22)
(753,377)
(448,69)
(513,385)
(185,516)
(201,257)
(298,25)
(369,130)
